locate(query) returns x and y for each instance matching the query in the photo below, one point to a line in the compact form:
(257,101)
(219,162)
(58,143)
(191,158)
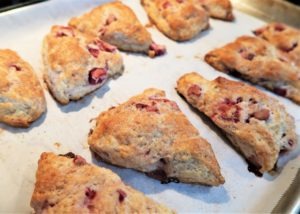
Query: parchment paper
(65,128)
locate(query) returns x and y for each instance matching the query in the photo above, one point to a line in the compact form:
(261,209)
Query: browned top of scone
(67,184)
(117,24)
(149,133)
(220,9)
(179,20)
(253,57)
(246,114)
(21,95)
(70,59)
(284,37)
(258,61)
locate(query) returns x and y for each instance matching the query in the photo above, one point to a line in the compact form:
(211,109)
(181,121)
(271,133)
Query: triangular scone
(117,24)
(284,37)
(149,133)
(22,98)
(256,124)
(179,20)
(220,9)
(67,184)
(76,65)
(258,61)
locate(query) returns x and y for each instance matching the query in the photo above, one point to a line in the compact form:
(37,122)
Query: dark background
(4,3)
(10,4)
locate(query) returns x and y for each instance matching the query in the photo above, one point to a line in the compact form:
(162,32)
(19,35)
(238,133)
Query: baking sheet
(65,128)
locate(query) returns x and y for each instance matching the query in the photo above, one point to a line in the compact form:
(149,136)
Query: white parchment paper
(65,128)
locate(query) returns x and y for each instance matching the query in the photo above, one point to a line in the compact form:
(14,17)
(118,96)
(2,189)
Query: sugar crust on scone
(77,64)
(179,20)
(284,37)
(68,184)
(22,98)
(116,23)
(256,124)
(149,133)
(258,61)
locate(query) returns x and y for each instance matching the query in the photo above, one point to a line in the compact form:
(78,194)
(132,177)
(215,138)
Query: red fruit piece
(64,31)
(229,111)
(97,76)
(149,108)
(93,49)
(111,18)
(157,49)
(122,195)
(78,160)
(262,114)
(289,49)
(259,31)
(280,91)
(194,90)
(90,193)
(16,67)
(179,1)
(279,27)
(166,4)
(171,103)
(103,46)
(246,55)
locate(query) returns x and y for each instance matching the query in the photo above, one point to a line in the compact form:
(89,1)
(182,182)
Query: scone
(284,37)
(76,65)
(259,62)
(220,9)
(117,24)
(257,125)
(68,184)
(22,98)
(149,133)
(178,20)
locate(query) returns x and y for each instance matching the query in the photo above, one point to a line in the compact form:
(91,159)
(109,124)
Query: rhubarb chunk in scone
(76,65)
(219,9)
(22,98)
(284,37)
(178,19)
(117,24)
(68,184)
(259,62)
(257,125)
(149,133)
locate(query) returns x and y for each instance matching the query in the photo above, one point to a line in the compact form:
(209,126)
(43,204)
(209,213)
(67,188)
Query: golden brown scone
(180,20)
(259,62)
(22,98)
(117,24)
(67,184)
(149,133)
(220,9)
(76,65)
(257,125)
(284,37)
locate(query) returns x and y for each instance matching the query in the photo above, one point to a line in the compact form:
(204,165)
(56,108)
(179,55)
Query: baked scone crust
(284,37)
(67,184)
(76,64)
(150,134)
(259,62)
(179,20)
(219,9)
(257,125)
(116,24)
(22,98)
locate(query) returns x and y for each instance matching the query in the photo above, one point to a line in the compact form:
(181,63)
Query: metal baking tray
(65,128)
